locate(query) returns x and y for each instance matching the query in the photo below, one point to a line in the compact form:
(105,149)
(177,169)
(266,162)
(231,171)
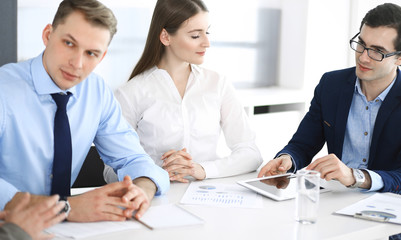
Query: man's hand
(330,167)
(148,189)
(34,218)
(278,182)
(179,164)
(276,166)
(113,202)
(33,199)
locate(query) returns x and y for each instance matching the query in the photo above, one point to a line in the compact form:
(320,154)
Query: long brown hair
(168,15)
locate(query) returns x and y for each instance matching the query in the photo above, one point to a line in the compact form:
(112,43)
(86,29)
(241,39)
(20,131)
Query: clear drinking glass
(307,197)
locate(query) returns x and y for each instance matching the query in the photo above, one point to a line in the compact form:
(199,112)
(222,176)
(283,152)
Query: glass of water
(307,197)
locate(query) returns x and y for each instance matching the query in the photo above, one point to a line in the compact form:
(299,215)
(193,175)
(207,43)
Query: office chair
(91,174)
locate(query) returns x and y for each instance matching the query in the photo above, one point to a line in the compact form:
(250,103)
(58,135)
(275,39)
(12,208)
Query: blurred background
(273,51)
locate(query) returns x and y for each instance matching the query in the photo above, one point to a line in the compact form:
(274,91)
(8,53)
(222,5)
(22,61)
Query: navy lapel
(389,104)
(344,104)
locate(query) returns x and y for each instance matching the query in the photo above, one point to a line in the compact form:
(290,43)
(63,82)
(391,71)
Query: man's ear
(165,37)
(46,33)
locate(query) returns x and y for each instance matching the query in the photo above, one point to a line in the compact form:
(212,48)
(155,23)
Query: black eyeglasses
(373,54)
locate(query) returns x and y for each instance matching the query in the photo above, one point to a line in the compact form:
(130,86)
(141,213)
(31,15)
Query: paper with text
(377,206)
(221,195)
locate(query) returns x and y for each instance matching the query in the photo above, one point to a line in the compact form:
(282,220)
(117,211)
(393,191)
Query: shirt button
(51,176)
(377,100)
(365,133)
(367,108)
(364,160)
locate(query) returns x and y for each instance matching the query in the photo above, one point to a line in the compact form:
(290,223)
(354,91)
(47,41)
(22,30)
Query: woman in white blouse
(179,108)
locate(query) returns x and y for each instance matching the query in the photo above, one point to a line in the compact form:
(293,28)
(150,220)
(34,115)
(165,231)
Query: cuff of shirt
(377,181)
(210,169)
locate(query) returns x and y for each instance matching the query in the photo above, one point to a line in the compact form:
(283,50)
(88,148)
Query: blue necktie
(62,148)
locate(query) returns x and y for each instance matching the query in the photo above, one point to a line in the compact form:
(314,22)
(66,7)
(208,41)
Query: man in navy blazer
(357,112)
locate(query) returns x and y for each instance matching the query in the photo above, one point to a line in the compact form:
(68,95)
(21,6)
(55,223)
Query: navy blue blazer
(326,120)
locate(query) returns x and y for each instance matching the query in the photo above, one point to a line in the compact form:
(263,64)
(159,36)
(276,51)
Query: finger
(183,156)
(170,159)
(318,161)
(286,164)
(143,208)
(322,163)
(130,185)
(328,169)
(168,154)
(47,205)
(179,166)
(106,216)
(329,176)
(137,202)
(181,172)
(123,201)
(113,210)
(58,218)
(3,215)
(114,188)
(23,202)
(265,171)
(45,236)
(131,194)
(50,213)
(177,176)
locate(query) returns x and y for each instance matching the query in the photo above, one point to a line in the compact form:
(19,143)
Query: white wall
(314,37)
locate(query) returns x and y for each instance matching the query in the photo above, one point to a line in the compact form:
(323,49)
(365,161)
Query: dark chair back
(91,174)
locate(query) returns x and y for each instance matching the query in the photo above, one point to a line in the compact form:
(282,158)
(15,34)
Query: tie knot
(61,100)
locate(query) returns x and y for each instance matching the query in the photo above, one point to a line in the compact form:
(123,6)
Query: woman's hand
(179,164)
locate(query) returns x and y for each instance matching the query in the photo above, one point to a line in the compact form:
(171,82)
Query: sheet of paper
(221,195)
(162,216)
(77,191)
(83,230)
(384,204)
(169,215)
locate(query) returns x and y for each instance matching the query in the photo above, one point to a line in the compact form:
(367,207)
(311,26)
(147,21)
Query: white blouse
(163,120)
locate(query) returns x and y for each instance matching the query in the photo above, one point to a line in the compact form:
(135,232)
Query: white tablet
(277,187)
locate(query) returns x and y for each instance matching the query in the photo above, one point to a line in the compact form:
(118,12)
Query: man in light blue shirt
(76,42)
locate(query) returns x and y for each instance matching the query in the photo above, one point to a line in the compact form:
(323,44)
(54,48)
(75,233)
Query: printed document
(221,195)
(382,207)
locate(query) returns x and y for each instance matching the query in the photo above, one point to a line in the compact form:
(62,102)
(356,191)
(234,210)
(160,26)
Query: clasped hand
(113,202)
(179,164)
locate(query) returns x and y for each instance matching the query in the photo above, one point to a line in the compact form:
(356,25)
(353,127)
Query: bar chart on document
(223,195)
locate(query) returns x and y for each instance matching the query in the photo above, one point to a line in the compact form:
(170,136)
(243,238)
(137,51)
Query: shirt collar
(195,70)
(382,95)
(41,80)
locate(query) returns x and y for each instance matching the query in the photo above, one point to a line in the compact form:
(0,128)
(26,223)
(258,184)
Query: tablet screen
(279,187)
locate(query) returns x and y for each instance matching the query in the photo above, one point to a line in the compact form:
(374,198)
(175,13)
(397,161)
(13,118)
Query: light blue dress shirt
(359,132)
(26,131)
